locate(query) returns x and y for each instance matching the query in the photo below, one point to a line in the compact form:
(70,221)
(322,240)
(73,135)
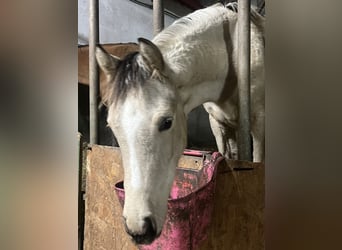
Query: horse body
(190,63)
(203,62)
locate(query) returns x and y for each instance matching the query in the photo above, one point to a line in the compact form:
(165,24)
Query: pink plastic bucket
(189,207)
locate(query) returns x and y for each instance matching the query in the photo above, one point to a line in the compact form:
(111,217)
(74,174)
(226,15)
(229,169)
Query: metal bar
(158,16)
(244,138)
(93,70)
(80,194)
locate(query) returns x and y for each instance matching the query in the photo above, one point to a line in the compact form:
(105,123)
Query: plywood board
(103,214)
(238,217)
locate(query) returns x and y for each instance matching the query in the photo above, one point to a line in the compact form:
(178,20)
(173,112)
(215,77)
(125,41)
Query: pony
(151,92)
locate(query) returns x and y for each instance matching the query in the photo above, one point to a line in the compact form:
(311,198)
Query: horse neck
(197,64)
(193,74)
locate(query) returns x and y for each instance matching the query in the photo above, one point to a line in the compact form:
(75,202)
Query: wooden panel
(238,218)
(103,224)
(238,210)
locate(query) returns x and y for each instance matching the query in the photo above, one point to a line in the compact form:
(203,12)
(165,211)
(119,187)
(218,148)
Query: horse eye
(165,124)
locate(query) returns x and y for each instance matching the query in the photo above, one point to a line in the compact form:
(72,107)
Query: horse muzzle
(148,233)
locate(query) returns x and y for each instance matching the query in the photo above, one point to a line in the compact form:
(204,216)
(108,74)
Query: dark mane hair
(129,75)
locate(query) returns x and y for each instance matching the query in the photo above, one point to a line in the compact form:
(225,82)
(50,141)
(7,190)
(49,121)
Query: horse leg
(225,138)
(232,142)
(258,134)
(218,132)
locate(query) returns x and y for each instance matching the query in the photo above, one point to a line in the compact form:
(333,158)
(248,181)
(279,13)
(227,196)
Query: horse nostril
(150,226)
(149,234)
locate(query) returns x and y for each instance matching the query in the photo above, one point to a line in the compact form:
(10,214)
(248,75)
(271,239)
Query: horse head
(146,115)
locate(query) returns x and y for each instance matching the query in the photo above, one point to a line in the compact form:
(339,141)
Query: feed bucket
(190,205)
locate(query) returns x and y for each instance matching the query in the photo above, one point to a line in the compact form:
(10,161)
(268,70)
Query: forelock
(131,74)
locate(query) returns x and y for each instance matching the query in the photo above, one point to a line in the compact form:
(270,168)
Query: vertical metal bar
(93,69)
(158,16)
(244,138)
(80,194)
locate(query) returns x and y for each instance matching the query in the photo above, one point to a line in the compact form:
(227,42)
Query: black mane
(130,75)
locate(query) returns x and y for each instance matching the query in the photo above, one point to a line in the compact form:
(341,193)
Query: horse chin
(146,241)
(143,241)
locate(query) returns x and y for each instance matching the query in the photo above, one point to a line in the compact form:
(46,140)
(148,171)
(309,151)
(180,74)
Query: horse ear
(106,61)
(151,54)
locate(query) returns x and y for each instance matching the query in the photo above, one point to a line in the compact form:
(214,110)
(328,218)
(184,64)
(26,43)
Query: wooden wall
(238,218)
(238,210)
